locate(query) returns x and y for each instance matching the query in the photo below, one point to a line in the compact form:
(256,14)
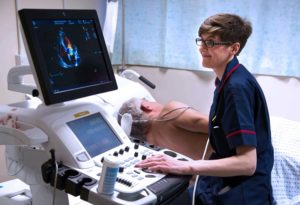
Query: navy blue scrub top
(239,116)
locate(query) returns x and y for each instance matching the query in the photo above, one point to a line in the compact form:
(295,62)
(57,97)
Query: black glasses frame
(210,43)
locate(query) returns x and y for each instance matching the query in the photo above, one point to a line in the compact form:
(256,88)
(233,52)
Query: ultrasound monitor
(67,53)
(95,134)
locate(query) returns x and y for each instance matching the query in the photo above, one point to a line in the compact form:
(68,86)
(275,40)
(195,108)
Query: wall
(8,48)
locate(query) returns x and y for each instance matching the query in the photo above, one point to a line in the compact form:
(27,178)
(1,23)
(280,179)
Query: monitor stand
(16,82)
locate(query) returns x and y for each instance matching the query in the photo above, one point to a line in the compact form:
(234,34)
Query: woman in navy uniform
(239,170)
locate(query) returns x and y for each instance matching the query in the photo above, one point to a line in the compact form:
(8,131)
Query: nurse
(239,170)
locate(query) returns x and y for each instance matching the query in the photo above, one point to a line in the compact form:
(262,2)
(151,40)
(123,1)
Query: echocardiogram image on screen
(74,57)
(67,53)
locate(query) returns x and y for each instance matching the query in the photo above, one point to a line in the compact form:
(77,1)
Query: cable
(18,27)
(55,183)
(105,101)
(175,109)
(63,4)
(196,181)
(156,119)
(12,161)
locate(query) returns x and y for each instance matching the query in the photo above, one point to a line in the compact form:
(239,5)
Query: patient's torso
(166,135)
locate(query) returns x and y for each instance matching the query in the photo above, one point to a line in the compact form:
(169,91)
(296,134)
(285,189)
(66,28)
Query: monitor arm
(15,80)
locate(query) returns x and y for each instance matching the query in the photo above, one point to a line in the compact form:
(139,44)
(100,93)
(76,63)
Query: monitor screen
(68,53)
(95,134)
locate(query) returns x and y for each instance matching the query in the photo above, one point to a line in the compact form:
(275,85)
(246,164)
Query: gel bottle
(108,177)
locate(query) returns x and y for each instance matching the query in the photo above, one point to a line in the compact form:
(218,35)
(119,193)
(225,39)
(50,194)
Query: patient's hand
(9,120)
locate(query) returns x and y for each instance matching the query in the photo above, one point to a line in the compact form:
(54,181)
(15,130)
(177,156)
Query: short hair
(229,27)
(141,122)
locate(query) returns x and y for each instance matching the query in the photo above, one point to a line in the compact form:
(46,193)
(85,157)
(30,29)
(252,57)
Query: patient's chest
(185,142)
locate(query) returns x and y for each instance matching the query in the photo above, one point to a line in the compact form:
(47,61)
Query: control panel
(133,185)
(131,179)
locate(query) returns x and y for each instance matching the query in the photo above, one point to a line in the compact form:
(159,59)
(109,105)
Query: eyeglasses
(210,43)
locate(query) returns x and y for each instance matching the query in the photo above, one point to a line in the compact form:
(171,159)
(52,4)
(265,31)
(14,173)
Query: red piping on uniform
(228,75)
(241,131)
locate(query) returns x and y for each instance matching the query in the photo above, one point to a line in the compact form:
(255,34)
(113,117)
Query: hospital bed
(69,126)
(286,169)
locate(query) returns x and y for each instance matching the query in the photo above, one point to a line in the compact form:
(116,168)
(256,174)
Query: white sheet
(286,170)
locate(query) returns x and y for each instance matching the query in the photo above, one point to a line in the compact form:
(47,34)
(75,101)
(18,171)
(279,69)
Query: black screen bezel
(38,60)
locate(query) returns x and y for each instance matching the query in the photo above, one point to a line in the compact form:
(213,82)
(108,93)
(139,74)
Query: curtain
(161,33)
(109,24)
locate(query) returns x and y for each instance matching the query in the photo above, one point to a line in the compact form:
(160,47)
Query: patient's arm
(189,119)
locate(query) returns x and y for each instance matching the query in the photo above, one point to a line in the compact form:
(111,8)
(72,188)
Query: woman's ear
(235,48)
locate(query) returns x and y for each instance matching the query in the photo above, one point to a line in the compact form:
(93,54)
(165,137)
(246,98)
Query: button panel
(131,179)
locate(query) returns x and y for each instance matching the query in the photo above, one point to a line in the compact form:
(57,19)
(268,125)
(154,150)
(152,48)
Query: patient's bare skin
(175,125)
(185,132)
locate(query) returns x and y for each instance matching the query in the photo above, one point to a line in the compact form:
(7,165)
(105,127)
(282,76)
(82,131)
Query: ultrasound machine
(69,126)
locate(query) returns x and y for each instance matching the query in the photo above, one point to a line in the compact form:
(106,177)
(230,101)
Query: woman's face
(215,57)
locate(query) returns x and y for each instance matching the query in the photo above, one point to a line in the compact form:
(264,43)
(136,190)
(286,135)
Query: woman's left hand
(164,163)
